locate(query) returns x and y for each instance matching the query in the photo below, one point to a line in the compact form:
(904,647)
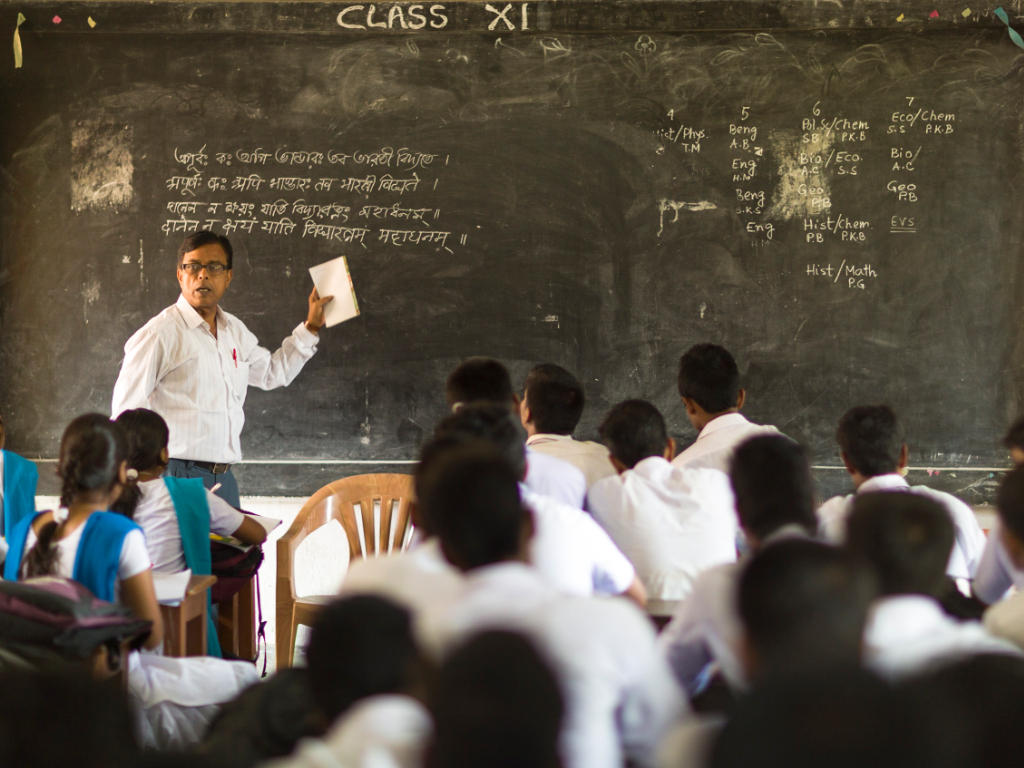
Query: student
(672,523)
(552,405)
(364,673)
(495,704)
(774,492)
(107,553)
(484,379)
(619,695)
(906,539)
(874,453)
(997,572)
(709,385)
(569,548)
(1006,619)
(18,479)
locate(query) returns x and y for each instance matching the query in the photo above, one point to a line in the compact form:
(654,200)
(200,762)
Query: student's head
(871,439)
(905,538)
(803,606)
(1010,505)
(430,452)
(495,704)
(771,480)
(360,646)
(553,400)
(492,423)
(204,268)
(633,431)
(1014,441)
(480,379)
(146,435)
(709,383)
(470,495)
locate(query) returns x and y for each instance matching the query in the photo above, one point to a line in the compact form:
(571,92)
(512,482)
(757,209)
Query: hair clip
(133,474)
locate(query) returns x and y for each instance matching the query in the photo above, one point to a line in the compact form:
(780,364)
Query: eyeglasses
(214,269)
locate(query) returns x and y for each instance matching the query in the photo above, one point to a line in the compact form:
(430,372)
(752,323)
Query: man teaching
(193,363)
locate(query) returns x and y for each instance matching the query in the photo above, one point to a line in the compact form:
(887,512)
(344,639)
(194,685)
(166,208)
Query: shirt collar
(723,422)
(652,466)
(538,438)
(505,572)
(192,318)
(883,483)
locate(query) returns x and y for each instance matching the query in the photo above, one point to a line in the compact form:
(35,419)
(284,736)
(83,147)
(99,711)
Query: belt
(209,466)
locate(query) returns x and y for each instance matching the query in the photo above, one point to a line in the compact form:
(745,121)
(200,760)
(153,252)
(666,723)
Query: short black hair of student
(495,704)
(803,606)
(772,483)
(1015,435)
(1010,502)
(872,438)
(556,399)
(709,376)
(905,538)
(359,646)
(492,423)
(633,430)
(470,494)
(205,237)
(480,378)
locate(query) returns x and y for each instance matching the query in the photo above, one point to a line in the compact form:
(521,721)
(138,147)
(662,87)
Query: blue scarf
(20,479)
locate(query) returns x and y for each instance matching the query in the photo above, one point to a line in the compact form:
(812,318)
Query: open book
(170,588)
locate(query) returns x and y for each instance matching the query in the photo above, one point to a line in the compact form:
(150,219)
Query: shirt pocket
(240,382)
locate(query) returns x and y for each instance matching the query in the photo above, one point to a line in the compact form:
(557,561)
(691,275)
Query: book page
(332,278)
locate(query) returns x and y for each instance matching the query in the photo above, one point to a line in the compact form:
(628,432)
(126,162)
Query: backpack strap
(99,552)
(20,480)
(16,543)
(193,512)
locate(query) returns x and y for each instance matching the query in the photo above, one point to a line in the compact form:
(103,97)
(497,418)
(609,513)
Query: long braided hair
(146,435)
(91,452)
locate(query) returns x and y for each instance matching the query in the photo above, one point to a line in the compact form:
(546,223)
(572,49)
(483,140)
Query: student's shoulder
(948,500)
(606,494)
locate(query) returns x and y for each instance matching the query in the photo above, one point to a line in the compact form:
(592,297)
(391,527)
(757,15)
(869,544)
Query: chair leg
(286,632)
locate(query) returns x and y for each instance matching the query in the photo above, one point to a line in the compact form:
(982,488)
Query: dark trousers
(228,485)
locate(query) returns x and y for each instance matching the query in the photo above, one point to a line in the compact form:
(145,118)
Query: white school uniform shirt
(970,539)
(384,731)
(672,523)
(156,516)
(718,441)
(175,366)
(590,458)
(1005,619)
(572,552)
(620,697)
(553,477)
(996,571)
(908,635)
(707,626)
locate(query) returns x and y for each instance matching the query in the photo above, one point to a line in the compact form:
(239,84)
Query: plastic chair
(374,511)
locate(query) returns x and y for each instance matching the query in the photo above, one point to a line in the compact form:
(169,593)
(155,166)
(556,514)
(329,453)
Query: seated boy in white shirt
(774,492)
(709,385)
(620,697)
(672,523)
(483,379)
(906,539)
(1006,618)
(874,453)
(997,571)
(552,406)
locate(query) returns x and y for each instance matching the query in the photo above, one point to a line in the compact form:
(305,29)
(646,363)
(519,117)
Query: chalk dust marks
(803,177)
(101,165)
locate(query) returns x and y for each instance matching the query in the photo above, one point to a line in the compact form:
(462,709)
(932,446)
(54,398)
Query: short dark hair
(709,376)
(493,424)
(633,430)
(480,378)
(555,398)
(872,438)
(495,704)
(1015,435)
(470,494)
(201,238)
(1010,502)
(804,605)
(905,538)
(359,646)
(772,482)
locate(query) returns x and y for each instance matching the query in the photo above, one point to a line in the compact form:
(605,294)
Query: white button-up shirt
(996,571)
(910,634)
(197,381)
(620,697)
(673,524)
(718,441)
(555,478)
(970,539)
(589,457)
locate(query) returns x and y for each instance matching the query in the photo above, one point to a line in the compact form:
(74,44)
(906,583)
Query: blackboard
(832,193)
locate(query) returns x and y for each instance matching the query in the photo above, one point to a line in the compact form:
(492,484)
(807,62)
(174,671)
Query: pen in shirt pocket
(234,356)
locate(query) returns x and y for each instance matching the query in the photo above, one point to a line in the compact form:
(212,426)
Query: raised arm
(269,371)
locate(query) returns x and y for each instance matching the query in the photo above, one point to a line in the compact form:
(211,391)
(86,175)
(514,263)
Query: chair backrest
(374,511)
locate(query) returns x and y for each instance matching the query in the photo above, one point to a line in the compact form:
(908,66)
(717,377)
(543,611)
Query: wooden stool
(236,622)
(185,623)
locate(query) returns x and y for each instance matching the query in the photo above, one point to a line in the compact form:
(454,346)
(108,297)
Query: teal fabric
(20,480)
(193,511)
(16,547)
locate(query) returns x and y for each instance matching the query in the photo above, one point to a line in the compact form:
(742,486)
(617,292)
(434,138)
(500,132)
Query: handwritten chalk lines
(417,16)
(403,157)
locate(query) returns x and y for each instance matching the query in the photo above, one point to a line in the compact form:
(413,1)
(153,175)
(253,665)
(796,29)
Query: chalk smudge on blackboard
(803,188)
(101,165)
(676,206)
(90,295)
